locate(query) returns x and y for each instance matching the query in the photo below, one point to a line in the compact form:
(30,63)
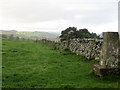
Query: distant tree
(68,33)
(72,32)
(94,35)
(83,33)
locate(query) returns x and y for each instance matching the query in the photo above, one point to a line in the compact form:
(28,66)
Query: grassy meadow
(36,65)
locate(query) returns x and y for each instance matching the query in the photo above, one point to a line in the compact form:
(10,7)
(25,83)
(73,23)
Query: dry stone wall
(90,48)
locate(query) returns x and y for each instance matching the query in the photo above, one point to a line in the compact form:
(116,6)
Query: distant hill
(31,35)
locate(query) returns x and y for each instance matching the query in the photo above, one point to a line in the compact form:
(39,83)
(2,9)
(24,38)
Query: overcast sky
(56,15)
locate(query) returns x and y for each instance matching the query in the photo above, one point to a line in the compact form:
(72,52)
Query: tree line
(72,32)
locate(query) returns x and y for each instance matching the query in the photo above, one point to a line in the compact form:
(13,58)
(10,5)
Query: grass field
(36,65)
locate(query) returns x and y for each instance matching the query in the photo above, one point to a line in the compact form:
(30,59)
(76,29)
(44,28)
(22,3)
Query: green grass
(37,65)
